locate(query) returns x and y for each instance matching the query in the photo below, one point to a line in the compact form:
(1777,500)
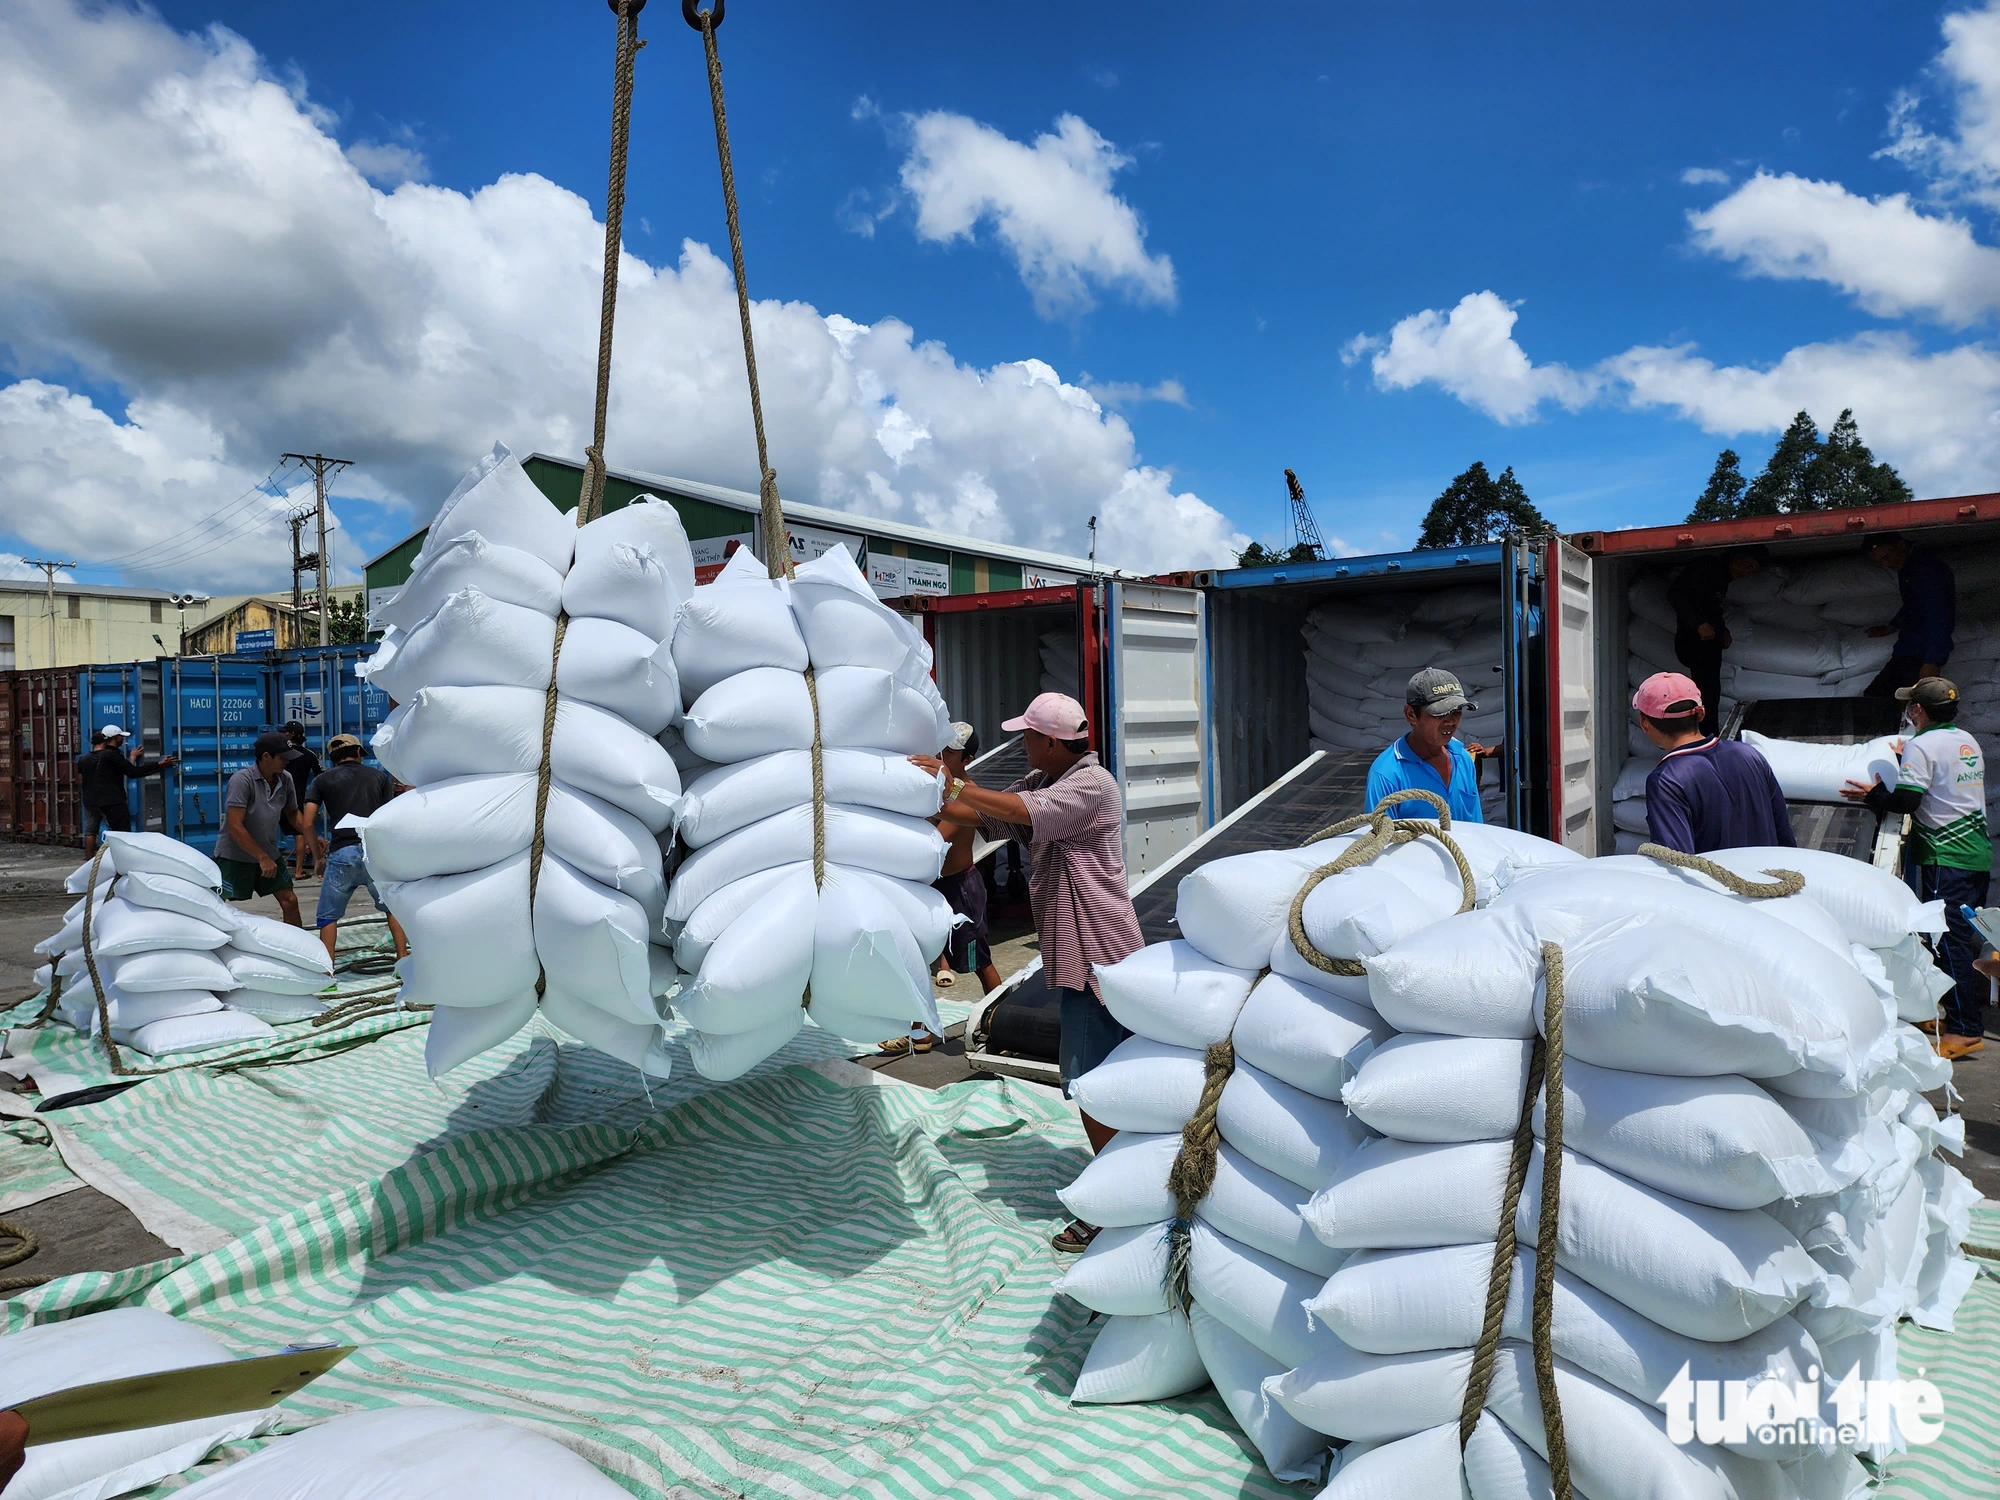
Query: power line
(196,546)
(178,539)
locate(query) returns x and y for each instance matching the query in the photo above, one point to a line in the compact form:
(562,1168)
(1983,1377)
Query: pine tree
(1787,487)
(1849,474)
(1257,555)
(1723,499)
(1476,508)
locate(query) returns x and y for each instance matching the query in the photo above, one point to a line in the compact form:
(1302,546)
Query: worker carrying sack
(526,867)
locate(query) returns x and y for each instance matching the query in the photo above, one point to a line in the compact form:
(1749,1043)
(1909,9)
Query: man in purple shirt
(1706,793)
(1068,813)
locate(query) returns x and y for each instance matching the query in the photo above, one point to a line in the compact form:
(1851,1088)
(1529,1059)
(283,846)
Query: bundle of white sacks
(1800,630)
(467,658)
(1359,660)
(1748,1183)
(767,665)
(181,969)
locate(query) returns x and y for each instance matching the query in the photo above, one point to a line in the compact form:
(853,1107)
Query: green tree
(346,622)
(1723,499)
(1805,473)
(1257,555)
(1476,508)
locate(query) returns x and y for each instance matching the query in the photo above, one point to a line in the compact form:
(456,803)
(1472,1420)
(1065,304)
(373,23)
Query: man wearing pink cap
(1068,812)
(1706,793)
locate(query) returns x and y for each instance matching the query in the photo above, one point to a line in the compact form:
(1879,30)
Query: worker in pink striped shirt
(1068,812)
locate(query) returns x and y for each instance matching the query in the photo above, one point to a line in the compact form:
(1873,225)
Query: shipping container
(1799,633)
(1131,653)
(40,739)
(1511,618)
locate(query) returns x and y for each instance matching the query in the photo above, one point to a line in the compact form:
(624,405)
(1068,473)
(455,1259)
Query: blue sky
(1302,176)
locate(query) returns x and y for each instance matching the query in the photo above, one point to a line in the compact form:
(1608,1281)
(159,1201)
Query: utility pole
(301,561)
(321,467)
(48,565)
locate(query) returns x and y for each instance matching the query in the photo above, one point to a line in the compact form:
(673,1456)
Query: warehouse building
(82,623)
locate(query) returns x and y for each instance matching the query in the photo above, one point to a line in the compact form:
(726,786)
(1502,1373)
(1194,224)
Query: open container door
(1572,708)
(1158,704)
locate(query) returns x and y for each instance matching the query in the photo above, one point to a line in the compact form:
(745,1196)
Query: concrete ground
(84,1230)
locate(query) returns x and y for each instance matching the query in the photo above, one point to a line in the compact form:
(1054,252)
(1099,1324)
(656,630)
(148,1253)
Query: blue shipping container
(209,710)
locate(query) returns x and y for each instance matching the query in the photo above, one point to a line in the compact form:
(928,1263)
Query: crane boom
(1303,524)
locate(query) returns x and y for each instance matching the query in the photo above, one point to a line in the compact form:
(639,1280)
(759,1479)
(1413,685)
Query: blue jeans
(1089,1032)
(345,873)
(1962,1012)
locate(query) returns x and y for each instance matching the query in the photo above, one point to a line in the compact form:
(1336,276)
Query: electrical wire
(180,539)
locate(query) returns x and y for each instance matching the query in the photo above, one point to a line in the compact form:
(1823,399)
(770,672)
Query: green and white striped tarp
(782,1288)
(30,1167)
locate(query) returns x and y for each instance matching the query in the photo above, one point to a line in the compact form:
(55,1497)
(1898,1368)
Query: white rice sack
(1425,1463)
(164,893)
(200,1032)
(1374,1397)
(1143,1086)
(277,1009)
(1816,773)
(1257,1296)
(592,942)
(1654,643)
(1477,974)
(1303,1139)
(1751,686)
(1353,627)
(1125,1184)
(118,928)
(767,709)
(1423,1088)
(1260,1209)
(113,1345)
(129,1012)
(639,1043)
(146,854)
(1832,580)
(1140,1359)
(1632,777)
(255,933)
(1171,993)
(443,733)
(1307,1037)
(632,565)
(735,796)
(1648,600)
(1360,912)
(740,622)
(260,971)
(867,969)
(469,640)
(1918,982)
(1238,1370)
(506,574)
(1789,653)
(471,940)
(1872,906)
(865,837)
(1123,1273)
(614,667)
(1395,1195)
(458,1033)
(845,624)
(173,969)
(723,1058)
(498,500)
(410,1450)
(1234,909)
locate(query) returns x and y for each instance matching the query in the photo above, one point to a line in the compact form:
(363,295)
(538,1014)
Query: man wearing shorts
(260,800)
(348,788)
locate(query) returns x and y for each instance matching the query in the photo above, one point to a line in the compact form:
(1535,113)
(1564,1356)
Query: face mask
(1907,726)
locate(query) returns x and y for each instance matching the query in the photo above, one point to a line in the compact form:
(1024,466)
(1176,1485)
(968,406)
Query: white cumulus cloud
(1049,201)
(183,228)
(1965,157)
(1471,353)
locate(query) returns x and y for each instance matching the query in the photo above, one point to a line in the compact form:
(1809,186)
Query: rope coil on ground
(1783,882)
(1384,832)
(17,1243)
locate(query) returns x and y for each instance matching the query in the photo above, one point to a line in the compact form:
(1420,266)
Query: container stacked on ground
(181,971)
(468,656)
(1748,1181)
(770,930)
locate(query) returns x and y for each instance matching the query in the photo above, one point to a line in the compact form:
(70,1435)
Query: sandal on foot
(1074,1237)
(944,979)
(902,1046)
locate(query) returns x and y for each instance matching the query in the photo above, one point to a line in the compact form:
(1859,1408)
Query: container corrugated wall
(989,662)
(40,739)
(1257,693)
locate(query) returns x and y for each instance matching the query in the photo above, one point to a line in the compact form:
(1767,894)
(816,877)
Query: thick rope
(1384,832)
(118,1067)
(777,541)
(1783,882)
(1545,1068)
(819,808)
(592,496)
(24,1244)
(1193,1171)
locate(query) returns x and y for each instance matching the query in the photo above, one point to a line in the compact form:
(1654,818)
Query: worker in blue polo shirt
(1429,758)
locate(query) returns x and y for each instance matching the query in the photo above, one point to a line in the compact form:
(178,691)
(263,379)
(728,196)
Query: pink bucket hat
(1668,695)
(1056,715)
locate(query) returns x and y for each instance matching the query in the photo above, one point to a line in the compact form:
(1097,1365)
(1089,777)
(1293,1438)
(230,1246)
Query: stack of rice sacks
(1742,1193)
(752,930)
(182,970)
(1800,630)
(467,659)
(1360,657)
(1297,1034)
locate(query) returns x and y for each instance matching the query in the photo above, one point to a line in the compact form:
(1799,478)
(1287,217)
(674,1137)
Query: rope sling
(776,536)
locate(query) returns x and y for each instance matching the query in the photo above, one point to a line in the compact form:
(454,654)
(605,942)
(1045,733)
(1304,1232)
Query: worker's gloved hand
(13,1445)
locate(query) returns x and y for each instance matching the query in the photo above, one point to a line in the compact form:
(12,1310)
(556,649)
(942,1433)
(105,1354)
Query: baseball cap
(1668,695)
(1056,715)
(273,742)
(342,742)
(112,731)
(1436,692)
(293,726)
(1931,692)
(961,735)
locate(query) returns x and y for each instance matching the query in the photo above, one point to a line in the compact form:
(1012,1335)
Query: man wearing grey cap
(1429,758)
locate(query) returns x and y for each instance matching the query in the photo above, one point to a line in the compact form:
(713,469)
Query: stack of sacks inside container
(1227,1105)
(1799,629)
(1746,1188)
(181,970)
(1360,657)
(1060,668)
(503,575)
(772,668)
